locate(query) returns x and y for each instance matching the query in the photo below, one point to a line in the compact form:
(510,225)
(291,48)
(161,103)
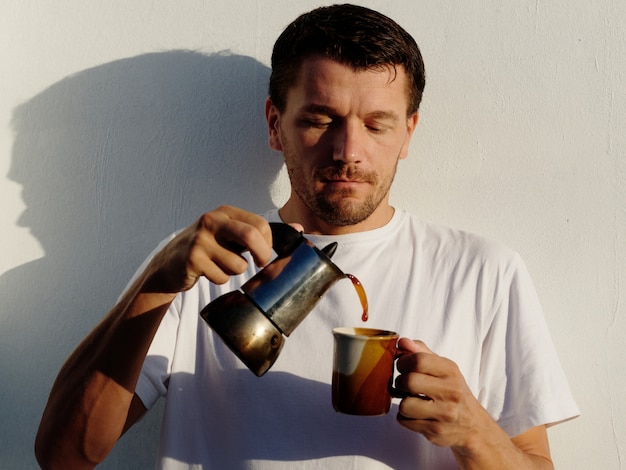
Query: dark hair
(349,34)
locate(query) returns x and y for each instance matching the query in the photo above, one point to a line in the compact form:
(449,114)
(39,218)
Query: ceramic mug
(363,366)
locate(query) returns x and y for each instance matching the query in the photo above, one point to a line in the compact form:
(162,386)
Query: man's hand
(442,408)
(211,247)
(451,414)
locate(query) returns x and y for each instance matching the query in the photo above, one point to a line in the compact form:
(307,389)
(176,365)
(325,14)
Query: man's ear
(411,124)
(272,116)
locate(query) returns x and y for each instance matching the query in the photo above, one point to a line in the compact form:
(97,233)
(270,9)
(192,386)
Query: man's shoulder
(455,242)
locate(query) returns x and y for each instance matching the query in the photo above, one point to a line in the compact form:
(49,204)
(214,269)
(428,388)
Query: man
(344,96)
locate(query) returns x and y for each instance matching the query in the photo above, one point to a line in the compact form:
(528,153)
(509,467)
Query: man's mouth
(343,176)
(342,180)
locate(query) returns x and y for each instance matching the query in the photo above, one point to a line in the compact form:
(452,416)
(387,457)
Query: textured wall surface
(121,122)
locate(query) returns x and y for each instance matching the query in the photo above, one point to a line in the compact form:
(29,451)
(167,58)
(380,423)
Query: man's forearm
(89,401)
(89,404)
(495,450)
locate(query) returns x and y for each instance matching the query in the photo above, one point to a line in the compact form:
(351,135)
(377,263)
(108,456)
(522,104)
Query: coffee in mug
(363,365)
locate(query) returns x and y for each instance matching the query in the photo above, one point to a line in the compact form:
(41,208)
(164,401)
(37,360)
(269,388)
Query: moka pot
(254,321)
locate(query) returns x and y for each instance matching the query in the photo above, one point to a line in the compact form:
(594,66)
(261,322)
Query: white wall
(113,134)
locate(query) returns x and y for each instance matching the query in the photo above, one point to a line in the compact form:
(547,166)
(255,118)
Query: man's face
(342,133)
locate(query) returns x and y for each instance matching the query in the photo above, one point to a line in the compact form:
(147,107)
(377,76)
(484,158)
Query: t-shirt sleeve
(522,381)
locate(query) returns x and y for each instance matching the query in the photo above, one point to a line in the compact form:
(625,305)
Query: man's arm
(92,401)
(452,417)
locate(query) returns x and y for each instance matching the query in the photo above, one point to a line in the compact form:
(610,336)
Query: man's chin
(344,213)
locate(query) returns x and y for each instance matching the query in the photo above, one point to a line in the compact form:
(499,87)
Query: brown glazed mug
(363,366)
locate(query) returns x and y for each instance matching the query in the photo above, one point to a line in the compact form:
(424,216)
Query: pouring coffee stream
(362,297)
(254,321)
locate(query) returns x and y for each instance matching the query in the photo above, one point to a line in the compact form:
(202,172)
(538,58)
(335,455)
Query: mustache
(345,172)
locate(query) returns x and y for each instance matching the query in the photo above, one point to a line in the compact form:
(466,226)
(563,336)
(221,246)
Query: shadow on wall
(112,160)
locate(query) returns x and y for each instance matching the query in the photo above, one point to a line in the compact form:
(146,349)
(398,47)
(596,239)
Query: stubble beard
(339,208)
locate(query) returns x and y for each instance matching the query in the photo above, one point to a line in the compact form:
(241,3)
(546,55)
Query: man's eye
(376,128)
(317,124)
(379,127)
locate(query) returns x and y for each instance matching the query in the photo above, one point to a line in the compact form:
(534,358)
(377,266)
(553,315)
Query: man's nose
(347,143)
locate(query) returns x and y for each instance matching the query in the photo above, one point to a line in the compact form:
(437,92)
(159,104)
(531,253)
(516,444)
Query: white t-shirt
(467,298)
